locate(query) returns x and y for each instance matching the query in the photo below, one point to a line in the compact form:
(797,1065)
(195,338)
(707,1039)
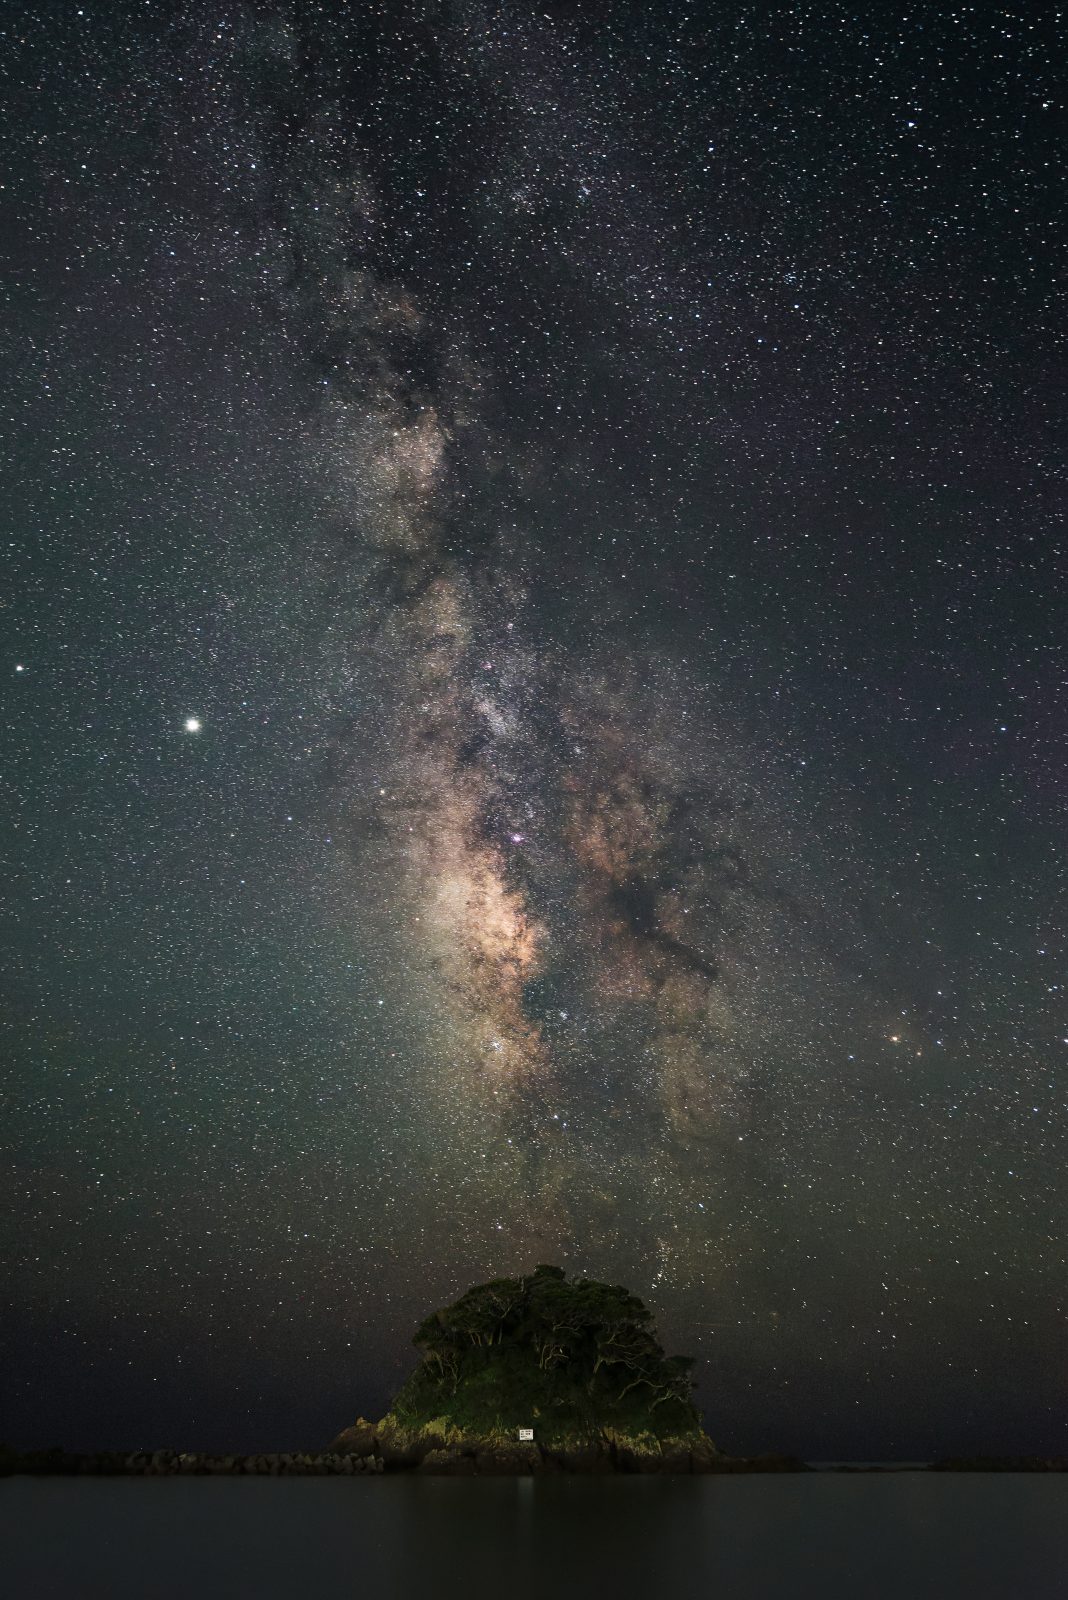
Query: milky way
(577,870)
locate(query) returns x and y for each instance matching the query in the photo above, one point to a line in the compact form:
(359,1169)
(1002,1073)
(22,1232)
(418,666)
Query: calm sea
(906,1536)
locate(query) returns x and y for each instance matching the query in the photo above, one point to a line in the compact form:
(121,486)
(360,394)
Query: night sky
(533,720)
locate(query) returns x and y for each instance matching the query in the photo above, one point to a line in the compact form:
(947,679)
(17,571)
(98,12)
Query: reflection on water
(905,1536)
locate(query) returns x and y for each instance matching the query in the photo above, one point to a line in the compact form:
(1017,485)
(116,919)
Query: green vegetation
(576,1360)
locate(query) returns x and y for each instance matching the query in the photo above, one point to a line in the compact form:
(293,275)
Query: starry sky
(532,711)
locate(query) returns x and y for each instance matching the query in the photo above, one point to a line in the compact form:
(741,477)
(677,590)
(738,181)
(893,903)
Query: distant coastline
(56,1462)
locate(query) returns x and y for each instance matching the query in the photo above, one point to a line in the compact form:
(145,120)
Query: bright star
(192,724)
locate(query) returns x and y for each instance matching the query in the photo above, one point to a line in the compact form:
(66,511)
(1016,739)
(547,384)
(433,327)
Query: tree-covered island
(576,1364)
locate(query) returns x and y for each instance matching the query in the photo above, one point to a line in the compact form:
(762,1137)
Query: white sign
(525,1433)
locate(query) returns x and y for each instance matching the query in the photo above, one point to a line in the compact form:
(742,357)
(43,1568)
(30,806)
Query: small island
(543,1374)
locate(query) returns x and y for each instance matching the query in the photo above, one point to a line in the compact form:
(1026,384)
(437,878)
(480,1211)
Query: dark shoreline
(170,1463)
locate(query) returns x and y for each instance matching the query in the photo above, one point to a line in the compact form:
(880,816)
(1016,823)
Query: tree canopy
(569,1358)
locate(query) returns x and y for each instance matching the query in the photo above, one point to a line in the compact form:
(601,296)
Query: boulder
(398,1447)
(359,1440)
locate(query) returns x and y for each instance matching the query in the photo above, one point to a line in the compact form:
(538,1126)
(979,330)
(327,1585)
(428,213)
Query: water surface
(905,1536)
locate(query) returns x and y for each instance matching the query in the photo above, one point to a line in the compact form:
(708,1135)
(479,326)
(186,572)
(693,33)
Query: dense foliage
(570,1359)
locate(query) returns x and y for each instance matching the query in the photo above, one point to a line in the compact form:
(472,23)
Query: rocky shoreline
(444,1452)
(186,1463)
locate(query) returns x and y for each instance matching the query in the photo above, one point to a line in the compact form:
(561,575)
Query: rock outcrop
(438,1448)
